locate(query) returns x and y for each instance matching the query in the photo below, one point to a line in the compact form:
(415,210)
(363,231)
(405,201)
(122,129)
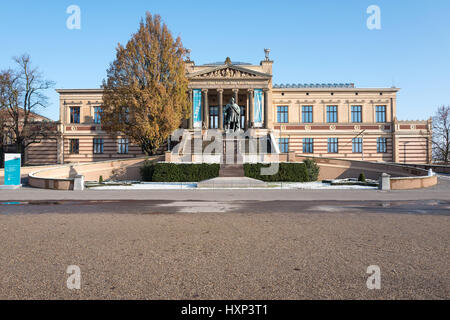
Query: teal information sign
(12,169)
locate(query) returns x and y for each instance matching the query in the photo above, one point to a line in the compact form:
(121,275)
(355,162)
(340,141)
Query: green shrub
(287,172)
(312,169)
(100,179)
(172,172)
(362,178)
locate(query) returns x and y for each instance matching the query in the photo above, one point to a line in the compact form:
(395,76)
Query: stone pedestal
(78,183)
(385,182)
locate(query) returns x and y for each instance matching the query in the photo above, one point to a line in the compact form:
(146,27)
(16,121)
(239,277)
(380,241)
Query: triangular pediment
(228,72)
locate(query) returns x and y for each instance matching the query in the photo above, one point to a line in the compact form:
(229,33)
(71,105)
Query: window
(98,146)
(307,114)
(381,145)
(98,115)
(124,116)
(332,114)
(74,146)
(282,114)
(333,145)
(242,117)
(356,114)
(74,114)
(122,146)
(308,145)
(381,113)
(213,117)
(357,145)
(284,145)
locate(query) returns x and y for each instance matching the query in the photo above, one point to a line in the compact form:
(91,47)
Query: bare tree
(441,134)
(21,95)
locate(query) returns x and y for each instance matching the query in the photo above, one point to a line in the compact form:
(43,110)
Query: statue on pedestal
(233,116)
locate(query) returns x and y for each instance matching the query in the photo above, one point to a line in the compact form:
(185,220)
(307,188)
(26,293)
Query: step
(231,170)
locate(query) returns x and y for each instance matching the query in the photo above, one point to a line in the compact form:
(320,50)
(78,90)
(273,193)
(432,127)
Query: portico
(211,87)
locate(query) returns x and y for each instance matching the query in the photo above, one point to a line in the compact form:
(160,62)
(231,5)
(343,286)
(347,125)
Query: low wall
(413,182)
(435,167)
(62,177)
(402,177)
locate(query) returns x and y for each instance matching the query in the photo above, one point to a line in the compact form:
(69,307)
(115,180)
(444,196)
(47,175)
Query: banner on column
(257,107)
(197,108)
(12,169)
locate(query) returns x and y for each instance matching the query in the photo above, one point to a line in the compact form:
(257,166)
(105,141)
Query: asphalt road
(182,249)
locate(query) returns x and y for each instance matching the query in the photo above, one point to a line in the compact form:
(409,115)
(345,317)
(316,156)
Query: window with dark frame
(284,145)
(74,146)
(356,114)
(333,145)
(98,115)
(122,146)
(74,114)
(282,114)
(381,145)
(381,114)
(308,145)
(357,145)
(307,114)
(98,145)
(332,114)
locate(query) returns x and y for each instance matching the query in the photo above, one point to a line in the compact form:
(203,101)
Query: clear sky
(321,41)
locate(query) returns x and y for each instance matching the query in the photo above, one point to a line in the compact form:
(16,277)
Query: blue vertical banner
(197,107)
(257,107)
(12,169)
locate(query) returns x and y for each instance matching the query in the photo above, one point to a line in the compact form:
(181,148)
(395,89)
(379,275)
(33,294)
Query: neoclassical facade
(323,120)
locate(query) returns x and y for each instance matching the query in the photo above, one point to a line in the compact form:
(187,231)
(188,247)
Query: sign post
(12,171)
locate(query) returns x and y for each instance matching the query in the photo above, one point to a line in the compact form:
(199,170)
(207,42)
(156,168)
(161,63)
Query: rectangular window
(124,116)
(74,114)
(98,146)
(356,114)
(381,113)
(357,145)
(307,114)
(284,145)
(122,146)
(308,145)
(282,114)
(74,146)
(332,114)
(333,145)
(381,145)
(98,115)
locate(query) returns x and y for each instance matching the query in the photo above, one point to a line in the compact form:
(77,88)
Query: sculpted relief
(227,73)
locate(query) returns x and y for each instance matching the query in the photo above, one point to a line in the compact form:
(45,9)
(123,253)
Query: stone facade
(328,120)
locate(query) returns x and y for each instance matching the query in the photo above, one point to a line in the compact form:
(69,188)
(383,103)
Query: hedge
(287,172)
(171,172)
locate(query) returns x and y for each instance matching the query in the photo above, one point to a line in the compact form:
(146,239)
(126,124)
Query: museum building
(321,120)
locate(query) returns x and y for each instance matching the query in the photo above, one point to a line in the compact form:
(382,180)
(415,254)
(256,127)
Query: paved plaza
(232,244)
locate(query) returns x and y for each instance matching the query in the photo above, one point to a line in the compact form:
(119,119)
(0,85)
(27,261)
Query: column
(236,96)
(191,120)
(250,111)
(205,109)
(266,108)
(220,91)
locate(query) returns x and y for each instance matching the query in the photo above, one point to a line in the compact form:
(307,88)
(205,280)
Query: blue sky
(310,41)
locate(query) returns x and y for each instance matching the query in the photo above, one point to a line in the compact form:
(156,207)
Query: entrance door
(214,117)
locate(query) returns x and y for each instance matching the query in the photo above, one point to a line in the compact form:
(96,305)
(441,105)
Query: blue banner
(257,107)
(12,169)
(197,107)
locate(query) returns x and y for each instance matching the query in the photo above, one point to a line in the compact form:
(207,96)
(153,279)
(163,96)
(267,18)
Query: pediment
(228,72)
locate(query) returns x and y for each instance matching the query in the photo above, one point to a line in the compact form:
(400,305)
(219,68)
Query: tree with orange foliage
(145,93)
